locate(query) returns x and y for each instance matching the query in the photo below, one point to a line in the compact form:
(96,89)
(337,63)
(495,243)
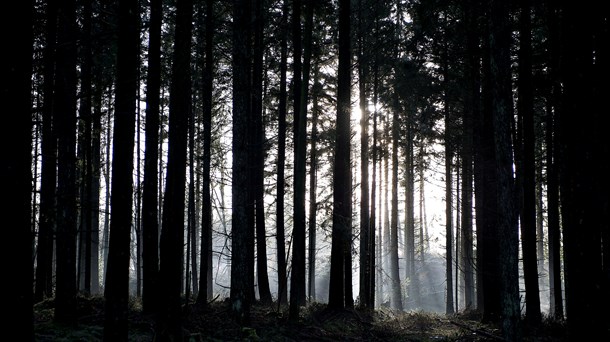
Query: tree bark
(117,274)
(342,179)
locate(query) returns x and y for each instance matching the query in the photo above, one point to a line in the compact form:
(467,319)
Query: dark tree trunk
(313,199)
(205,283)
(242,259)
(448,185)
(525,110)
(95,185)
(581,183)
(150,222)
(342,179)
(117,274)
(485,196)
(281,159)
(65,110)
(47,219)
(501,97)
(169,324)
(396,297)
(258,154)
(365,246)
(15,94)
(297,277)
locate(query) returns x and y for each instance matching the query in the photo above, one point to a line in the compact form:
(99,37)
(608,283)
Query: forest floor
(214,323)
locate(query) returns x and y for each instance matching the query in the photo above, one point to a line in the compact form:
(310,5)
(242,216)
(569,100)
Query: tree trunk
(313,205)
(342,179)
(449,309)
(65,109)
(205,280)
(281,159)
(258,153)
(365,246)
(241,259)
(15,93)
(169,324)
(47,218)
(117,274)
(499,47)
(396,298)
(528,213)
(150,223)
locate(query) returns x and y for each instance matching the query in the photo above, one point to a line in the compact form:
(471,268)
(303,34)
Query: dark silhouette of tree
(258,145)
(363,84)
(205,283)
(502,111)
(300,88)
(46,228)
(583,193)
(313,191)
(116,290)
(169,324)
(525,111)
(65,110)
(281,160)
(486,193)
(15,93)
(242,258)
(342,180)
(150,205)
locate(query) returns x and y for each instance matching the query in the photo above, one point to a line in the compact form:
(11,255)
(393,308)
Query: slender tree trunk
(117,274)
(528,213)
(95,187)
(150,223)
(65,109)
(313,199)
(258,153)
(281,183)
(396,298)
(47,218)
(342,179)
(365,250)
(169,324)
(205,280)
(449,309)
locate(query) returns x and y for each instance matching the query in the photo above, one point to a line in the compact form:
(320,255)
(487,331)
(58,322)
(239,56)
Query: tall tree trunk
(169,324)
(95,185)
(528,213)
(47,218)
(205,283)
(15,93)
(499,47)
(117,274)
(65,110)
(297,279)
(410,218)
(396,298)
(449,308)
(485,195)
(150,223)
(281,159)
(241,259)
(365,250)
(342,178)
(313,199)
(258,152)
(582,189)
